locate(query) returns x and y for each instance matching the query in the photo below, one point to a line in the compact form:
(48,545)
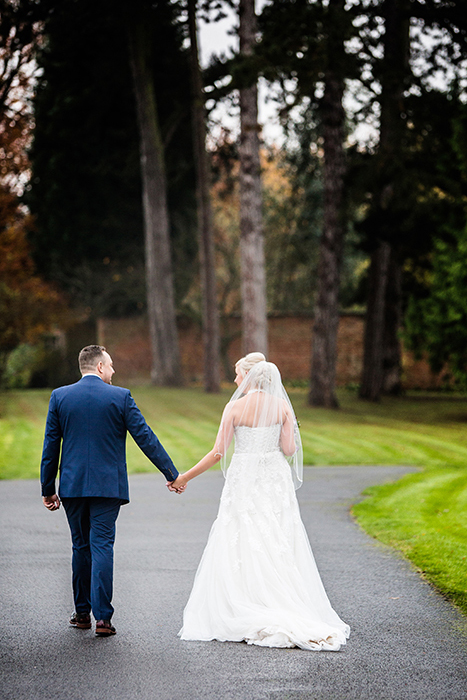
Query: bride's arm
(203,465)
(223,440)
(287,440)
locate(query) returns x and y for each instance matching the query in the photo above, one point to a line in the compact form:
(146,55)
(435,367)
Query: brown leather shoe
(81,620)
(104,628)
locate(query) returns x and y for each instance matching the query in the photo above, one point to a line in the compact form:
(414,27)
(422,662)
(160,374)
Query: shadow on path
(407,642)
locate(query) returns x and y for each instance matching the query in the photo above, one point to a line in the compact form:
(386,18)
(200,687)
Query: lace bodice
(249,440)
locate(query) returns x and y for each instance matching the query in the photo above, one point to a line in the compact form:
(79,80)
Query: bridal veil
(259,403)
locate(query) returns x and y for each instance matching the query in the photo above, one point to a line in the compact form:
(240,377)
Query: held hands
(51,502)
(177,486)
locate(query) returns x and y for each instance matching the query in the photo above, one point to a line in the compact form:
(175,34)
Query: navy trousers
(92,525)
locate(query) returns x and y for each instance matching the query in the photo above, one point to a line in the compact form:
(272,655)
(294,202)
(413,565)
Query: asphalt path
(407,642)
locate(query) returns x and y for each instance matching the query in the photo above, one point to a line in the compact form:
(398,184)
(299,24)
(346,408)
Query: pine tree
(253,274)
(210,319)
(159,277)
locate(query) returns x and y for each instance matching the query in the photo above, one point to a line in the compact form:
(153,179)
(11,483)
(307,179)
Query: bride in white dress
(257,580)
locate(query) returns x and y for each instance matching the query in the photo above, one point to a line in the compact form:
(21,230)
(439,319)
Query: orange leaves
(29,306)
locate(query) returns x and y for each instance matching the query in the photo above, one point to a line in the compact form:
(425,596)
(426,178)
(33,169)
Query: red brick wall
(290,340)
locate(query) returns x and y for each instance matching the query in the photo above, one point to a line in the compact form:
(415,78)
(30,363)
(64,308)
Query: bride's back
(258,410)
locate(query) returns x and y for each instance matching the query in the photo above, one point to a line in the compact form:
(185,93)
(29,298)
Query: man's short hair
(90,356)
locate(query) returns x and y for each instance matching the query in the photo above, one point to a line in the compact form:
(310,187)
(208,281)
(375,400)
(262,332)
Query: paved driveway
(407,642)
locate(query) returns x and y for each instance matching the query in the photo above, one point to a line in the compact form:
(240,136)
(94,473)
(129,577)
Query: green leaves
(438,322)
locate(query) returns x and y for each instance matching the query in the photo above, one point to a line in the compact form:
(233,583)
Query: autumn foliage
(29,306)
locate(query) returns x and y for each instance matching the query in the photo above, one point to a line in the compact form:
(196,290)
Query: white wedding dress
(257,580)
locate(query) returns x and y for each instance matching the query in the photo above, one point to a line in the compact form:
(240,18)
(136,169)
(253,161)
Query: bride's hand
(178,486)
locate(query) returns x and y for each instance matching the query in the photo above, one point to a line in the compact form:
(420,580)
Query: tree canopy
(406,189)
(85,189)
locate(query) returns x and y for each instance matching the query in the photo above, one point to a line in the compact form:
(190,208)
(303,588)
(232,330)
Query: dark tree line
(397,189)
(113,130)
(369,44)
(98,152)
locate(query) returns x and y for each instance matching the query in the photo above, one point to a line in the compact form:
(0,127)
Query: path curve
(406,642)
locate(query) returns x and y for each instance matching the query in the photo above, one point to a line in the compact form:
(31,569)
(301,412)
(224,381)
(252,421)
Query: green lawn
(423,515)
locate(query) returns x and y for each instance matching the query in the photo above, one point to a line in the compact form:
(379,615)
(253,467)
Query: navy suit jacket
(90,420)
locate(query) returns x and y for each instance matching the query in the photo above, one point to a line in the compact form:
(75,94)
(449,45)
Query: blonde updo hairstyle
(264,376)
(244,365)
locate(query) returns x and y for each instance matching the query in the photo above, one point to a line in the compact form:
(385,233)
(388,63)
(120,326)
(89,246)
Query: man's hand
(51,502)
(177,486)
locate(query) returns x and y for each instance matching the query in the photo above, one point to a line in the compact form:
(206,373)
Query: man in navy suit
(89,420)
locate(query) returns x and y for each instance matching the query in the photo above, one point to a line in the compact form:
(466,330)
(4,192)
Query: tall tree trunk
(324,355)
(372,376)
(393,78)
(211,341)
(159,280)
(392,360)
(253,283)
